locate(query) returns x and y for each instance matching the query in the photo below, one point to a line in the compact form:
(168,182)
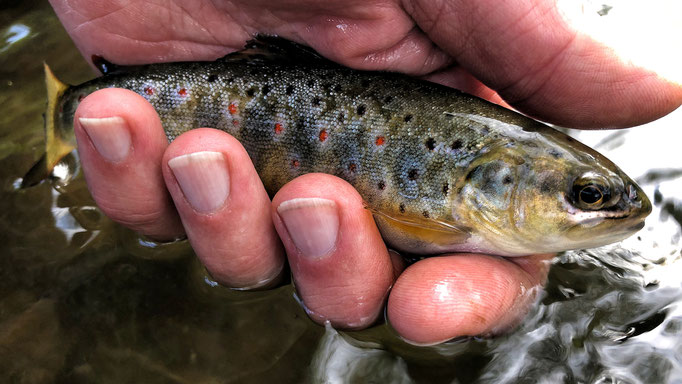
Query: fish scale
(414,150)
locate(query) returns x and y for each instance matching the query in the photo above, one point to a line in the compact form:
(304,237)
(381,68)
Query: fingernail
(312,223)
(109,135)
(203,178)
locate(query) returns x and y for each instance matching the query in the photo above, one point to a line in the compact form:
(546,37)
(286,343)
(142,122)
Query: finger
(224,208)
(527,51)
(339,262)
(441,298)
(120,143)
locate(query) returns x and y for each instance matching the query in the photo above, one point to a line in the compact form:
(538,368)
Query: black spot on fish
(254,71)
(457,144)
(336,88)
(430,143)
(408,117)
(545,187)
(365,83)
(446,188)
(212,78)
(361,109)
(300,124)
(250,92)
(316,101)
(230,80)
(554,153)
(381,185)
(266,89)
(388,99)
(507,179)
(425,214)
(402,208)
(412,174)
(289,90)
(342,117)
(311,83)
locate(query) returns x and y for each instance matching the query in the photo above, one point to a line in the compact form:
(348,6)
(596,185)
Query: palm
(521,48)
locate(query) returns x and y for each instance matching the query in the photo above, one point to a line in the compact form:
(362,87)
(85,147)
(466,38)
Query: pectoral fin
(419,235)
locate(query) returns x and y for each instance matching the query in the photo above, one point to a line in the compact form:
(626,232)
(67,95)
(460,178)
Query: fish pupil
(591,194)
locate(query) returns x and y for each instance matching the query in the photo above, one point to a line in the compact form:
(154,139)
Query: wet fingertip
(312,224)
(109,135)
(203,178)
(273,281)
(398,262)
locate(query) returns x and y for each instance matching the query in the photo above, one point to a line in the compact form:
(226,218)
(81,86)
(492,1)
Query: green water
(83,300)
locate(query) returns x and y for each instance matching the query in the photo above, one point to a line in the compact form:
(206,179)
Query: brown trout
(440,170)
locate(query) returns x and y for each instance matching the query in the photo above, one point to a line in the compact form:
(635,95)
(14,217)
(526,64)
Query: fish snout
(637,200)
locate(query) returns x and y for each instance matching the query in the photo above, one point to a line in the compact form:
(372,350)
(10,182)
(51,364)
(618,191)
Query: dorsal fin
(106,67)
(268,48)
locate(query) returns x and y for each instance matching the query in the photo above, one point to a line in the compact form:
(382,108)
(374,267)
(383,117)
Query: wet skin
(431,301)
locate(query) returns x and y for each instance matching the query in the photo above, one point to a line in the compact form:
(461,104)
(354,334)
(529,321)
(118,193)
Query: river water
(83,300)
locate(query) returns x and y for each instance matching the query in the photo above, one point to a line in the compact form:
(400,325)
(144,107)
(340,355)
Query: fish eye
(590,194)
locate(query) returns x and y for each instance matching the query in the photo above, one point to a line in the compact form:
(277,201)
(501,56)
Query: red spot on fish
(380,140)
(232,108)
(295,163)
(278,128)
(149,90)
(235,123)
(352,167)
(182,92)
(323,135)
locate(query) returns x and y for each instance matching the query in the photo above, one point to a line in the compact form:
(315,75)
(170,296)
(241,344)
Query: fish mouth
(634,206)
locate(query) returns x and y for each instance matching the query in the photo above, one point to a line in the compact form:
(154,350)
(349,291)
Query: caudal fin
(56,145)
(57,142)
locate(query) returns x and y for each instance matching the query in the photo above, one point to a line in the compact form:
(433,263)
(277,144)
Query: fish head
(547,193)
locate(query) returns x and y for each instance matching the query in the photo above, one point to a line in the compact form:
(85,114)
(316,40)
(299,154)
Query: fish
(441,171)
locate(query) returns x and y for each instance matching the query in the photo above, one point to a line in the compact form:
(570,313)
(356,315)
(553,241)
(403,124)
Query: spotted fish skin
(395,139)
(411,148)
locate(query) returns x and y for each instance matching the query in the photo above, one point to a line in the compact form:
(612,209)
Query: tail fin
(57,144)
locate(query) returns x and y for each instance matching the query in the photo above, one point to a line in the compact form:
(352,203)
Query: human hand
(550,72)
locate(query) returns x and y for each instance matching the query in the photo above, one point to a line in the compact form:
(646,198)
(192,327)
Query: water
(83,300)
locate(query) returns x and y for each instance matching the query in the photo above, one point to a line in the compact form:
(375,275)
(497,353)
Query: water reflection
(64,220)
(13,34)
(338,361)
